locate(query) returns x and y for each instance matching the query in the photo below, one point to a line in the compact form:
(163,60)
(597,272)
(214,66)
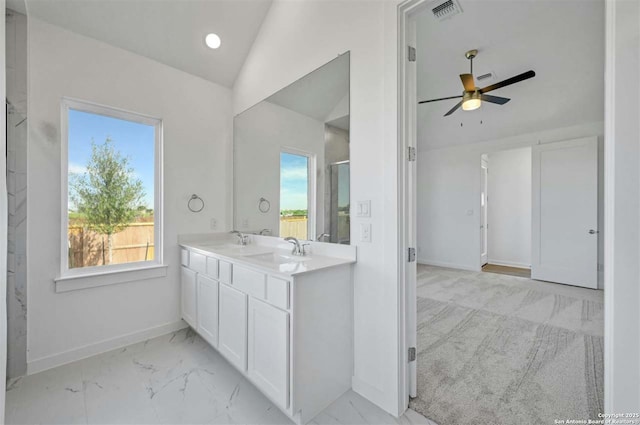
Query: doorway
(474,319)
(505,209)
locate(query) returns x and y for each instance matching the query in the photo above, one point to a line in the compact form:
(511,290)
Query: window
(296,194)
(112,190)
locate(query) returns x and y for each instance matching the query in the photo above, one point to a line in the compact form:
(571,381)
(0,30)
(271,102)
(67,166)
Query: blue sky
(133,140)
(293,182)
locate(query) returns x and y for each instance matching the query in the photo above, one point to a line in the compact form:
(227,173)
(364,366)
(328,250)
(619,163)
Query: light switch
(365,232)
(363,209)
(469,212)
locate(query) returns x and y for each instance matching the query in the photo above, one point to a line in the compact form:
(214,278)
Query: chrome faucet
(296,245)
(242,238)
(322,236)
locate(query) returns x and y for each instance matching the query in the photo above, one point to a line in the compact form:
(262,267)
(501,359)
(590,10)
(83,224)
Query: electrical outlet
(213,224)
(365,232)
(245,223)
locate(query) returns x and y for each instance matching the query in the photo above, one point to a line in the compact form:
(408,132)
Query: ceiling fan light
(471,104)
(471,101)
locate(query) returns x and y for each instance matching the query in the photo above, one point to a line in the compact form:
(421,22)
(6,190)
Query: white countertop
(272,254)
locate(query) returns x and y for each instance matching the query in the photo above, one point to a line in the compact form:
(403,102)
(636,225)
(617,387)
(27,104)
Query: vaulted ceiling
(170,32)
(562,41)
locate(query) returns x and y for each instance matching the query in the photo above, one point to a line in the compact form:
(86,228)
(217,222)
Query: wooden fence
(295,226)
(88,248)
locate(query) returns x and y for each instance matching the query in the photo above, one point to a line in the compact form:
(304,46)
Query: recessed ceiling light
(212,40)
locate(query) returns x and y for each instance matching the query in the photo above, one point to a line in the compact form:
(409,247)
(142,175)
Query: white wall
(297,37)
(3,224)
(197,141)
(622,245)
(16,58)
(449,195)
(260,134)
(509,207)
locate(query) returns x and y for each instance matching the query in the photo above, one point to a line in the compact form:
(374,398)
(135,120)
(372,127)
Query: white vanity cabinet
(291,335)
(233,326)
(207,309)
(268,350)
(189,296)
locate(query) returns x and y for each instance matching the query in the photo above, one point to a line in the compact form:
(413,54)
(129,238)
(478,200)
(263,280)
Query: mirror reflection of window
(294,195)
(340,203)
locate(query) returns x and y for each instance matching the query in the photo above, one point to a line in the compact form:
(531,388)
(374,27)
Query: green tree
(107,194)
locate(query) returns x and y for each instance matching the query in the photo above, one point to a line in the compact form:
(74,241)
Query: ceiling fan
(472,97)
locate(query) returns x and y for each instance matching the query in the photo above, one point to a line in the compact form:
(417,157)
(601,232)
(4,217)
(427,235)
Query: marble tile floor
(173,379)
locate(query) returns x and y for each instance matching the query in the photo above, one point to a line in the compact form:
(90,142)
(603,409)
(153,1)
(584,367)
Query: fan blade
(442,98)
(494,99)
(452,110)
(509,81)
(467,82)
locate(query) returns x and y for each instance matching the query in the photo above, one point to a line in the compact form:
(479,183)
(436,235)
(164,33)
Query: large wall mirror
(291,159)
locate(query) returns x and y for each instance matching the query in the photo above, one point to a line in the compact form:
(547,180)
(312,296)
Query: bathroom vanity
(283,320)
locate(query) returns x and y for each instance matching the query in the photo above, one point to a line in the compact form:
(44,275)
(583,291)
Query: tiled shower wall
(16,51)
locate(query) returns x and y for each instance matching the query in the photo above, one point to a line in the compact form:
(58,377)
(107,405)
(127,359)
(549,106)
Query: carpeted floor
(496,349)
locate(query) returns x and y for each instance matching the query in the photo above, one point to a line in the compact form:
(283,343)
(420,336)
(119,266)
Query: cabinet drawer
(198,262)
(184,257)
(212,267)
(224,269)
(278,292)
(250,282)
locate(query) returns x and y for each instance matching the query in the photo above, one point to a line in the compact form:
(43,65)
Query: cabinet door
(208,309)
(232,329)
(188,296)
(269,350)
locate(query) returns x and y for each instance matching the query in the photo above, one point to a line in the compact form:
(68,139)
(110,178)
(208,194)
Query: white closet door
(565,212)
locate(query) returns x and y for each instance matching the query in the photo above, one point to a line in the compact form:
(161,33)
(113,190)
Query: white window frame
(84,277)
(311,186)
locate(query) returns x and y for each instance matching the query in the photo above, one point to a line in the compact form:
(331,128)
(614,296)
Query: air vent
(445,10)
(487,76)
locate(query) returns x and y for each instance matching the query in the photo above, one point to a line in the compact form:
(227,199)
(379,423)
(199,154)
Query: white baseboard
(373,394)
(59,359)
(510,264)
(447,265)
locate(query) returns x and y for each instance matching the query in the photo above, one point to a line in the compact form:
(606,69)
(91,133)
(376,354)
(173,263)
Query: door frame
(407,211)
(407,208)
(484,209)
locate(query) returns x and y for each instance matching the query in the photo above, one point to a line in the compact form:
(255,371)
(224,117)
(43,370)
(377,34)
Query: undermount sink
(275,258)
(224,246)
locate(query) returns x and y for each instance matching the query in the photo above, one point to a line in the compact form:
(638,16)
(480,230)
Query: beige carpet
(496,349)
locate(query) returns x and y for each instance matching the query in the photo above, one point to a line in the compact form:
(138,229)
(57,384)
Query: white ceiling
(561,40)
(170,32)
(318,93)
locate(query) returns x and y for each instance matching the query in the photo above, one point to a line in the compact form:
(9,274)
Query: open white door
(565,212)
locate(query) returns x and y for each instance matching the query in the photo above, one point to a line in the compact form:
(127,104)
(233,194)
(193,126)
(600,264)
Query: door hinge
(412,354)
(412,54)
(412,255)
(411,154)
